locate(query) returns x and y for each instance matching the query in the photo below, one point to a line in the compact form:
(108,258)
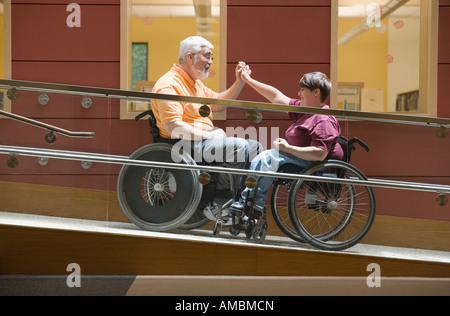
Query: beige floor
(220,286)
(275,286)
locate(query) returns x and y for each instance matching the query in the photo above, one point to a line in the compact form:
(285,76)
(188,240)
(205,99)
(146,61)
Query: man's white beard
(202,74)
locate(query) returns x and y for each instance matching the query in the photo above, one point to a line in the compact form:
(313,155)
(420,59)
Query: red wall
(280,39)
(45,49)
(444,59)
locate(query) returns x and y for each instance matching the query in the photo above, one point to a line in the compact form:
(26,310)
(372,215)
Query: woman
(310,138)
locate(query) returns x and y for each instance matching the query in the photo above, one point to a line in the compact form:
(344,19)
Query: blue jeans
(270,160)
(231,152)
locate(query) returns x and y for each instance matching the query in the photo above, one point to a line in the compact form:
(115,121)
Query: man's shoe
(259,208)
(237,207)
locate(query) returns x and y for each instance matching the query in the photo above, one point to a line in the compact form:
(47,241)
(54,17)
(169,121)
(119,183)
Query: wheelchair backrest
(348,145)
(154,130)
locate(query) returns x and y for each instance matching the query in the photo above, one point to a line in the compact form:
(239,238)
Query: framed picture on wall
(141,106)
(139,63)
(372,100)
(349,96)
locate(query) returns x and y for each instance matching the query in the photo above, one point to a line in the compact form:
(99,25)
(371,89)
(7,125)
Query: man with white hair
(181,120)
(185,78)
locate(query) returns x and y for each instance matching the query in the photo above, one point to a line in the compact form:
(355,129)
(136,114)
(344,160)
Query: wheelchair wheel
(279,208)
(332,216)
(158,199)
(197,220)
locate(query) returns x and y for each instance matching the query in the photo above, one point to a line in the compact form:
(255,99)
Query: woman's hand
(243,71)
(281,144)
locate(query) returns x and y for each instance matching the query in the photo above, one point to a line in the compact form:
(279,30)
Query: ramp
(42,245)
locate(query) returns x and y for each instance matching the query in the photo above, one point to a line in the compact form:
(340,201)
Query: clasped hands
(243,71)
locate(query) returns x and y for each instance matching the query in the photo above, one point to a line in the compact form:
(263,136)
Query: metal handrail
(134,95)
(48,127)
(124,160)
(259,106)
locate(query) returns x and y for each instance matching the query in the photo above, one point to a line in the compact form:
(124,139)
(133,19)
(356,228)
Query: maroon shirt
(321,131)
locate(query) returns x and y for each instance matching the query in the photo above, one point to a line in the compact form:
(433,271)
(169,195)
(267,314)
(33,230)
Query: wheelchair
(163,199)
(327,214)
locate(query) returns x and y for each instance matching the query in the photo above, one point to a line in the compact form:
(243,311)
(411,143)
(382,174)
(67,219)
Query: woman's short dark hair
(317,80)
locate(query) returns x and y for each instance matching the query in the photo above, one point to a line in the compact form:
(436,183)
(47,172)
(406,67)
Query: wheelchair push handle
(358,141)
(143,114)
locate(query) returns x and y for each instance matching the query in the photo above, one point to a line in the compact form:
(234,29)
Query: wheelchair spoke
(156,187)
(149,196)
(329,215)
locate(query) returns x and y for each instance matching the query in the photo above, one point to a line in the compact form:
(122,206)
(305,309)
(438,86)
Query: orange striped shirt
(176,81)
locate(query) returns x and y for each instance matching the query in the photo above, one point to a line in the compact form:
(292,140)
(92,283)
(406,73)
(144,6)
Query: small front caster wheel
(234,231)
(217,228)
(249,230)
(259,234)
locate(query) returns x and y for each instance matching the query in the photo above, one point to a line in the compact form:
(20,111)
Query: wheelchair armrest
(359,142)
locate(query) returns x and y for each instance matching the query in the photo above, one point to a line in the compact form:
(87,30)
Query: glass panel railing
(110,175)
(145,96)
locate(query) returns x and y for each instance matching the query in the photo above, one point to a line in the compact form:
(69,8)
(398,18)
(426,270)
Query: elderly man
(181,120)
